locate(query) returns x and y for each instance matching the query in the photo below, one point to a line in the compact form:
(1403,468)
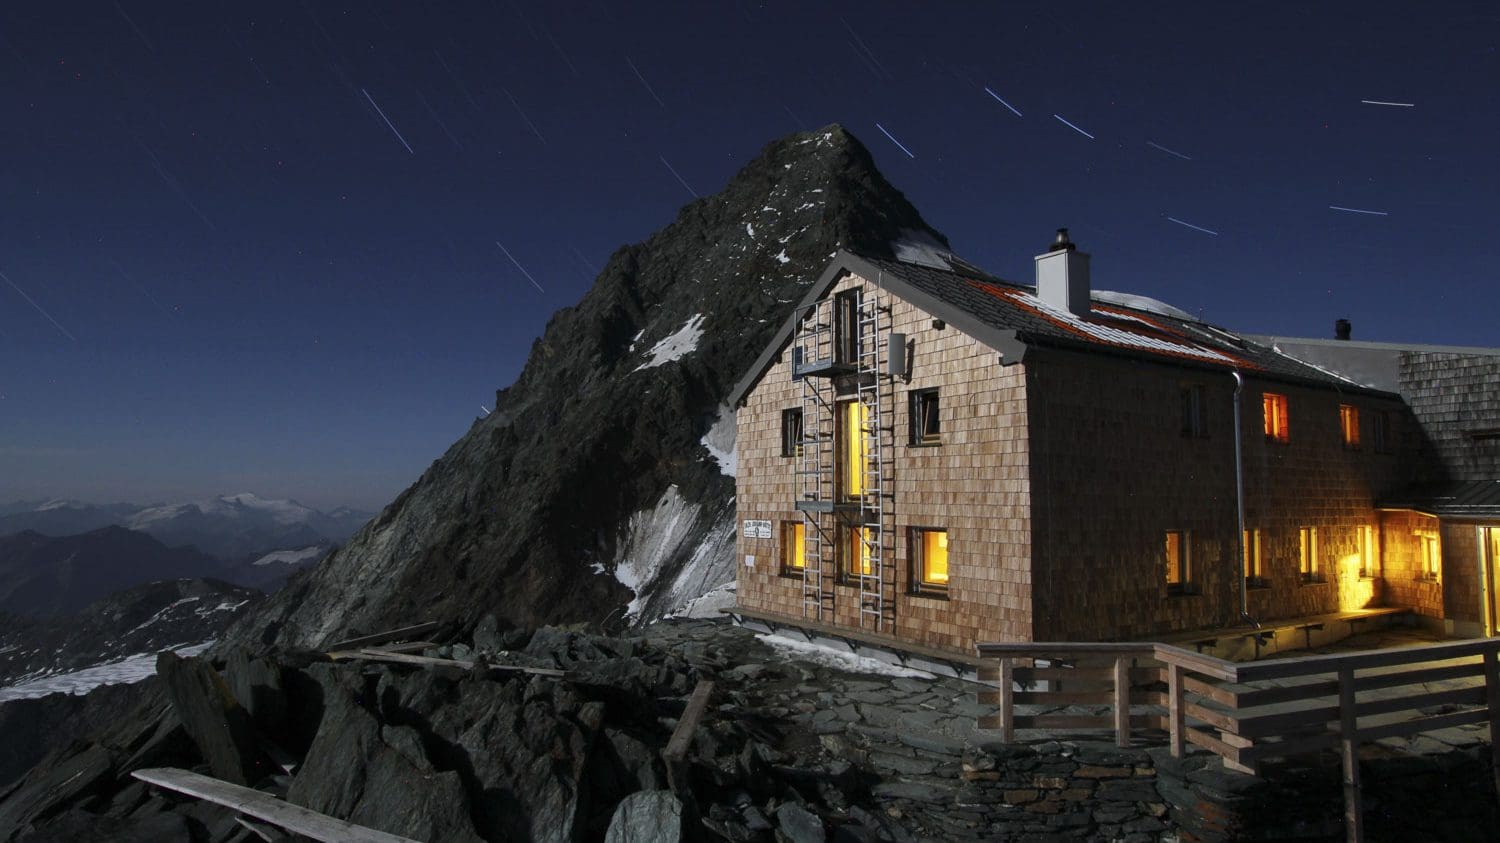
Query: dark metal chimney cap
(1062,243)
(1342,329)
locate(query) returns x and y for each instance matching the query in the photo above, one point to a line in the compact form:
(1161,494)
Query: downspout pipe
(1239,502)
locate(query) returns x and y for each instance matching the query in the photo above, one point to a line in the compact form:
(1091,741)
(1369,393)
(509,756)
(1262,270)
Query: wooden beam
(1122,701)
(1006,686)
(1354,823)
(404,658)
(263,806)
(687,726)
(1175,712)
(268,833)
(1492,705)
(405,633)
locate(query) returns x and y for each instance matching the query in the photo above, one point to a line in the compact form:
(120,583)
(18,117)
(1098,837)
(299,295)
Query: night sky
(258,247)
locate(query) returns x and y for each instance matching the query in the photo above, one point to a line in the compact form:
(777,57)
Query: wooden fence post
(1176,720)
(1007,704)
(1492,705)
(1122,701)
(1354,827)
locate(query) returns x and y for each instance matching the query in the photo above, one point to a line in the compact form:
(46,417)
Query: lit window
(1254,569)
(926,429)
(1179,562)
(856,459)
(929,550)
(1366,551)
(1308,555)
(1380,432)
(1349,425)
(1273,407)
(1194,422)
(860,551)
(1432,556)
(791,433)
(793,547)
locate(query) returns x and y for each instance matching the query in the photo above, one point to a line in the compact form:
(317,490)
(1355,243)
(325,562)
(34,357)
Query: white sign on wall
(757,529)
(749,560)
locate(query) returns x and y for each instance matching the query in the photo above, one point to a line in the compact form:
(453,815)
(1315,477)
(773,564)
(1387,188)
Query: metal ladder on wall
(816,462)
(877,585)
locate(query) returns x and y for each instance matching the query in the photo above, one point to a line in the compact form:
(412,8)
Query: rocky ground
(795,745)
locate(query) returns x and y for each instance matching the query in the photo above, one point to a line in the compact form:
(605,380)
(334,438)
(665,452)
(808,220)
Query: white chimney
(1062,276)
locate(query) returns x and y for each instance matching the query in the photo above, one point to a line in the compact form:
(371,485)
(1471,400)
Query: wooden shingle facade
(938,456)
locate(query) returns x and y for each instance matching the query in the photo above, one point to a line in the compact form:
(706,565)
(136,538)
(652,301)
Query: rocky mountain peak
(592,493)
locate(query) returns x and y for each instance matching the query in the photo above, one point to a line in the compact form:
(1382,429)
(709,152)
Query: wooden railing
(1247,712)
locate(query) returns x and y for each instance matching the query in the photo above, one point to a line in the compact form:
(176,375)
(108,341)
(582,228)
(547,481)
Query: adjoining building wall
(1113,472)
(1406,584)
(1455,396)
(974,485)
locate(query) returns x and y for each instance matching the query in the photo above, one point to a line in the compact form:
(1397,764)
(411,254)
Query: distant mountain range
(231,527)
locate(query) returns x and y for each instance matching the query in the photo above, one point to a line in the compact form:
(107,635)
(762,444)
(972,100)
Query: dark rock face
(593,462)
(30,729)
(44,577)
(143,619)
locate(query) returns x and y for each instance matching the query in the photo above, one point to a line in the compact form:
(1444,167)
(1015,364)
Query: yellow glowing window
(1273,408)
(1366,551)
(1179,563)
(930,548)
(1307,538)
(1432,556)
(793,546)
(856,417)
(861,541)
(1349,425)
(1254,570)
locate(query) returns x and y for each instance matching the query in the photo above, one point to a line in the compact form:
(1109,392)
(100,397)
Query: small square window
(1179,562)
(791,432)
(1308,555)
(926,421)
(929,559)
(793,548)
(1349,426)
(1274,411)
(1194,421)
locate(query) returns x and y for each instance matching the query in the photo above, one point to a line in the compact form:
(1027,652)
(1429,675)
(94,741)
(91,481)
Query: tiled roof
(1109,328)
(1474,499)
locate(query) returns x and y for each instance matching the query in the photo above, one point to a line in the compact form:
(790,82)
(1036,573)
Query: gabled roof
(1009,317)
(1474,499)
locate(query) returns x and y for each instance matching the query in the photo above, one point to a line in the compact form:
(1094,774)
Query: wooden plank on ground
(687,726)
(404,658)
(268,833)
(263,806)
(405,633)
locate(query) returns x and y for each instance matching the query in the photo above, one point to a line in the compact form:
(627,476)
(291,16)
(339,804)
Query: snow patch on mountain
(291,557)
(837,659)
(719,440)
(126,671)
(652,537)
(675,346)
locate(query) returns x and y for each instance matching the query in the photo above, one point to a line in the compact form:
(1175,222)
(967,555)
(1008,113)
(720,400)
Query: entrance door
(1489,564)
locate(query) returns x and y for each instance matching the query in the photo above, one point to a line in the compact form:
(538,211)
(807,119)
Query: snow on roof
(921,248)
(1145,303)
(676,345)
(1116,335)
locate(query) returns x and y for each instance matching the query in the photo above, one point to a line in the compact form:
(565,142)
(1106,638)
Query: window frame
(1276,417)
(1183,585)
(788,568)
(1430,556)
(1365,539)
(791,447)
(1253,563)
(846,339)
(1309,568)
(916,551)
(1349,426)
(917,437)
(849,557)
(1194,411)
(851,485)
(1380,432)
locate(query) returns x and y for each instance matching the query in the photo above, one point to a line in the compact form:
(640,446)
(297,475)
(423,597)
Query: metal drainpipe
(1239,500)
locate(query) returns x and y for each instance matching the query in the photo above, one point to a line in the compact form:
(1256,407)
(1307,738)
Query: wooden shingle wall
(1402,556)
(1112,472)
(974,485)
(1453,395)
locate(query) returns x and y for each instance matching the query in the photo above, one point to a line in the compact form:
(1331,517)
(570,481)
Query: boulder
(213,718)
(647,816)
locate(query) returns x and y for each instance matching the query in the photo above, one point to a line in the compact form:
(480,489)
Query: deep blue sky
(256,286)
